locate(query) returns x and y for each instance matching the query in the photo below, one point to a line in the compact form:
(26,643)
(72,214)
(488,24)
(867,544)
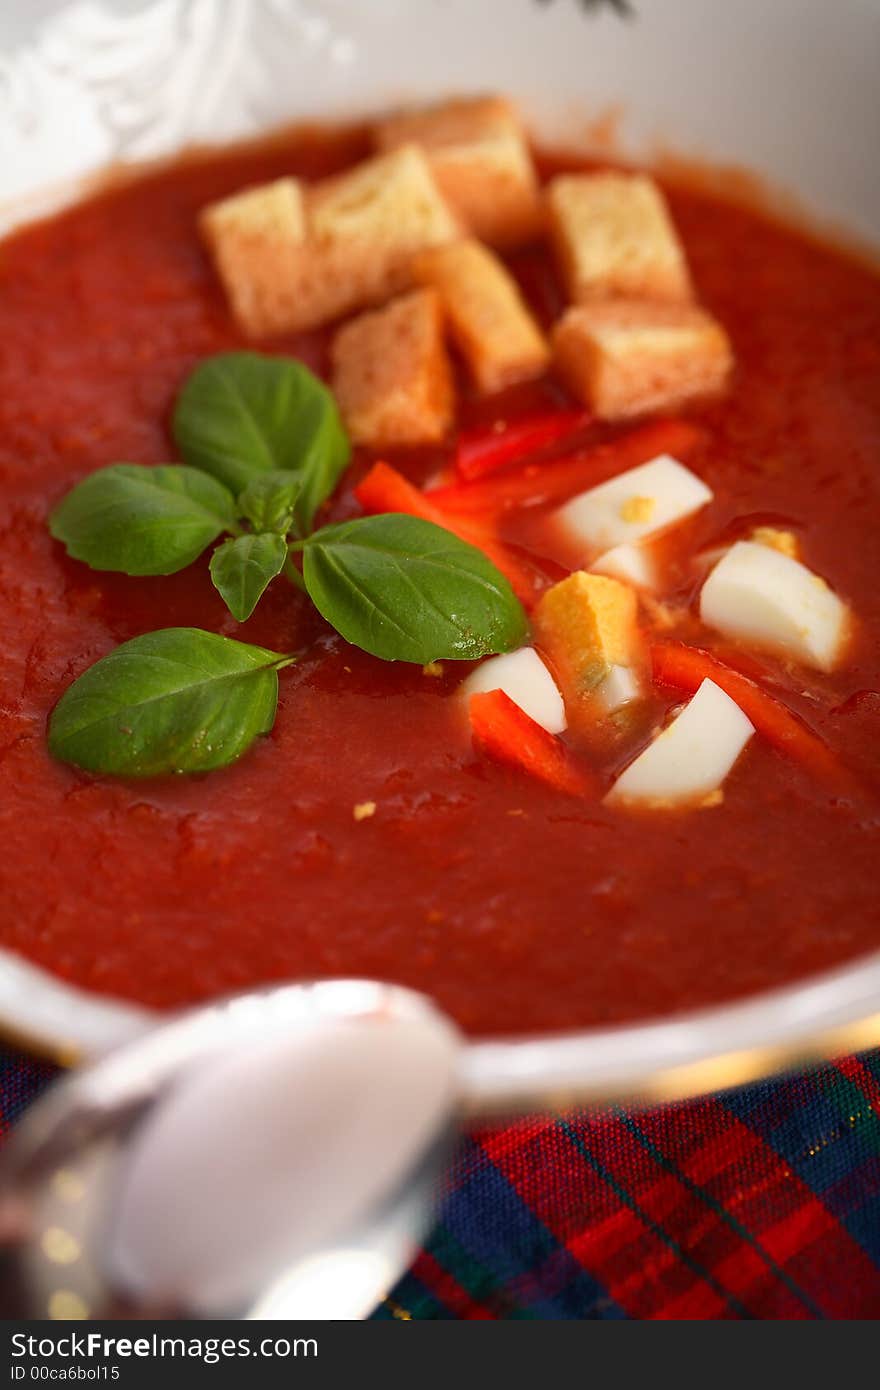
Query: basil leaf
(269,500)
(407,590)
(242,569)
(139,520)
(177,700)
(242,414)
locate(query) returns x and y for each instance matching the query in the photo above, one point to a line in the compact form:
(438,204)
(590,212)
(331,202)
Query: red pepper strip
(687,667)
(385,490)
(507,733)
(560,479)
(482,451)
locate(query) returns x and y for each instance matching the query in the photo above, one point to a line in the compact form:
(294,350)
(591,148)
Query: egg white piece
(525,679)
(691,758)
(759,595)
(631,563)
(619,688)
(634,505)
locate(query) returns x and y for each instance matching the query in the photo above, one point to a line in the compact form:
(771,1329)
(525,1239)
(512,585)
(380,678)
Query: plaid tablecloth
(761,1203)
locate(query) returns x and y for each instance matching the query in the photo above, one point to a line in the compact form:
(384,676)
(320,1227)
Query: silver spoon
(274,1155)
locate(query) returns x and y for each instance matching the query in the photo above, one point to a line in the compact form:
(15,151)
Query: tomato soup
(519,908)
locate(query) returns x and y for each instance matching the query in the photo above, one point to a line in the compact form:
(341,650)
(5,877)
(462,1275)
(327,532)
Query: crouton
(613,238)
(786,542)
(627,357)
(366,224)
(391,373)
(586,625)
(489,322)
(257,239)
(481,161)
(447,123)
(293,257)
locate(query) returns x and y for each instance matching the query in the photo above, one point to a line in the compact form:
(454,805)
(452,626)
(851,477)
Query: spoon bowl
(276,1154)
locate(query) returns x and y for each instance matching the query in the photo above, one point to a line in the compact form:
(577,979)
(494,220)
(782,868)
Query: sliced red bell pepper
(482,451)
(686,668)
(559,479)
(507,733)
(385,490)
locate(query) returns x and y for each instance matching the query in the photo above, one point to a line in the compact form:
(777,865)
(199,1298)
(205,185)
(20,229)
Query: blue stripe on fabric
(22,1079)
(491,1221)
(812,1126)
(678,1250)
(411,1296)
(807,1121)
(727,1218)
(863,1224)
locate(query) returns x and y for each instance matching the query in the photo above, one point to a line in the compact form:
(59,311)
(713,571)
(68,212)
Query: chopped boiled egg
(587,624)
(759,595)
(690,759)
(663,616)
(620,687)
(786,542)
(634,564)
(634,505)
(526,681)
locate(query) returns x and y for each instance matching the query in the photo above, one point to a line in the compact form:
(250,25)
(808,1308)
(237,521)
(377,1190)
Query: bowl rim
(672,1057)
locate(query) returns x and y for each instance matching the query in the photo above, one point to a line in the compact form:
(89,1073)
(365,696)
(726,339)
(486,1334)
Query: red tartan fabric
(760,1203)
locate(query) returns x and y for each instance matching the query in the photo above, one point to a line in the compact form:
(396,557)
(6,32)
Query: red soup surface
(518,908)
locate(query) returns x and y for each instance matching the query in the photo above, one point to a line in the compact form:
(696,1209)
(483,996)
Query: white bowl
(787,91)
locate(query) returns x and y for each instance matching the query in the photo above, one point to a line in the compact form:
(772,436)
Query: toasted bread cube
(586,625)
(365,225)
(492,185)
(293,257)
(257,239)
(448,123)
(391,373)
(786,542)
(614,238)
(495,332)
(627,357)
(481,160)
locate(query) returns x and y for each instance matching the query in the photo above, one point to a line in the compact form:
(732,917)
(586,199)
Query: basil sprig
(138,520)
(243,569)
(269,500)
(177,700)
(406,590)
(241,414)
(264,447)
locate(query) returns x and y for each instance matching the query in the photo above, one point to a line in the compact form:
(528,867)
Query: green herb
(138,520)
(407,590)
(264,431)
(242,570)
(269,500)
(177,700)
(241,414)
